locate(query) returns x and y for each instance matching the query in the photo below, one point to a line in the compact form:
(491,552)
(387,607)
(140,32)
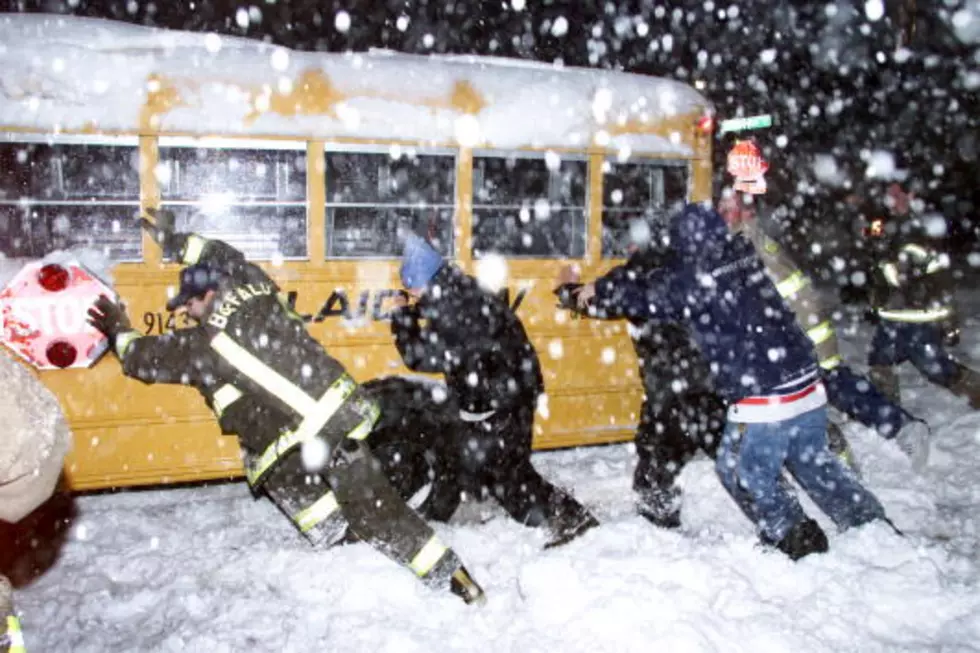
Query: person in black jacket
(681,412)
(415,441)
(494,380)
(300,418)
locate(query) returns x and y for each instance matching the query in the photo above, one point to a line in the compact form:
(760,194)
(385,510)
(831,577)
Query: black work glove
(163,231)
(568,298)
(951,332)
(566,293)
(109,318)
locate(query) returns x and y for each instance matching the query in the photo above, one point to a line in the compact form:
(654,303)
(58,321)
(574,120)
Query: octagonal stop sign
(44,312)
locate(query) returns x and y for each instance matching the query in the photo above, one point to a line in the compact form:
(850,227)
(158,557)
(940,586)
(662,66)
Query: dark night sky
(903,107)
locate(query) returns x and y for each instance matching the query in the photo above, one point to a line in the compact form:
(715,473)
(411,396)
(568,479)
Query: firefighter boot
(966,383)
(804,538)
(885,379)
(568,520)
(840,447)
(913,440)
(462,585)
(660,506)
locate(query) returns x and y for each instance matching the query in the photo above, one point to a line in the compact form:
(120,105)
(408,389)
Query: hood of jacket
(697,232)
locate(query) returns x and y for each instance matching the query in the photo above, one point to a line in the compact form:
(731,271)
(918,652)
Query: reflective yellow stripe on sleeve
(917,316)
(193,249)
(371,413)
(792,284)
(821,333)
(124,340)
(316,512)
(428,556)
(224,397)
(890,270)
(916,250)
(770,245)
(936,264)
(15,636)
(831,362)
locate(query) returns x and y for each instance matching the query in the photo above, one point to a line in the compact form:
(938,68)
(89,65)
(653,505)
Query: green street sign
(741,124)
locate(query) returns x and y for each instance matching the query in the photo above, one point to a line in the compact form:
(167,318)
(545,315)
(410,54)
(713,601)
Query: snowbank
(69,73)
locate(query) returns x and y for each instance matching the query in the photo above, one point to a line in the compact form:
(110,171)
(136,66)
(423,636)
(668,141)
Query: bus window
(529,206)
(638,189)
(253,198)
(66,196)
(371,195)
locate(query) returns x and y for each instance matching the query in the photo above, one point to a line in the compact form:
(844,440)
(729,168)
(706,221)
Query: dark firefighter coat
(253,362)
(472,337)
(274,386)
(912,284)
(795,288)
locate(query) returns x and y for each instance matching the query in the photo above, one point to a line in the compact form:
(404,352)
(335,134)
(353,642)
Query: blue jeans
(859,399)
(921,344)
(750,463)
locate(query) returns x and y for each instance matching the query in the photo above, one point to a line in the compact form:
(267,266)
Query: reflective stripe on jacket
(795,288)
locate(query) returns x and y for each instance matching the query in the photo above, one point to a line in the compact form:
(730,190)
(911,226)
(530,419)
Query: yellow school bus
(310,163)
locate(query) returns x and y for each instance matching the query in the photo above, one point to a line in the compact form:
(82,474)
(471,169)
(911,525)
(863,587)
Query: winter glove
(109,318)
(566,293)
(163,231)
(951,330)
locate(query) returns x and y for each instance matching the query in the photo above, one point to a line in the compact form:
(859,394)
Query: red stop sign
(43,315)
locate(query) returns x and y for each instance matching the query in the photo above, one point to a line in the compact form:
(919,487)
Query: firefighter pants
(353,494)
(919,343)
(859,399)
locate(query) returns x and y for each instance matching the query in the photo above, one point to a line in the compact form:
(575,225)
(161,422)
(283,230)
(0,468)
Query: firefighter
(681,413)
(494,381)
(300,418)
(912,301)
(847,391)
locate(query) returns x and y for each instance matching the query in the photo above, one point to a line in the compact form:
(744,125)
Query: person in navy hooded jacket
(470,335)
(763,365)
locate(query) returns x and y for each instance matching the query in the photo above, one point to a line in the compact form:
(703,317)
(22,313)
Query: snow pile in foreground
(209,569)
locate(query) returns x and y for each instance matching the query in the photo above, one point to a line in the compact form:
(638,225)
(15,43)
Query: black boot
(804,538)
(568,520)
(662,507)
(966,383)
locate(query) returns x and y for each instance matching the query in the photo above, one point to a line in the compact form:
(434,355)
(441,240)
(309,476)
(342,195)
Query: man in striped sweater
(763,365)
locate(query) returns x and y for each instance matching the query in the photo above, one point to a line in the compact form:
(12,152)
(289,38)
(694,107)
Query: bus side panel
(130,433)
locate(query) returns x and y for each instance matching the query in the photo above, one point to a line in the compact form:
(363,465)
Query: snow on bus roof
(69,74)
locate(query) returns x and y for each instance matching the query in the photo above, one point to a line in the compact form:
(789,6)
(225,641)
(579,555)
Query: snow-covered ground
(211,569)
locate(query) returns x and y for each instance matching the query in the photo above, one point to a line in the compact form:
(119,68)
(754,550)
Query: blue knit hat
(420,262)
